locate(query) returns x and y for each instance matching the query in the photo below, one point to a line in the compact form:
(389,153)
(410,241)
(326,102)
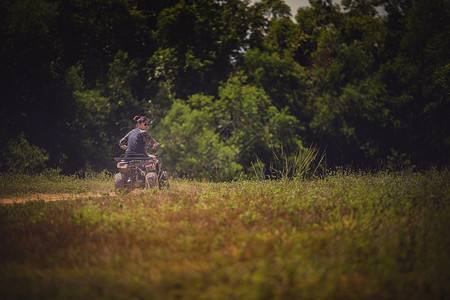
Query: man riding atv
(136,168)
(135,140)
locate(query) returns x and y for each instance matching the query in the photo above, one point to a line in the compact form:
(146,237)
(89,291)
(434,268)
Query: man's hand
(156,145)
(124,147)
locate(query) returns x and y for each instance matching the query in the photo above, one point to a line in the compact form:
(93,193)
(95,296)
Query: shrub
(24,157)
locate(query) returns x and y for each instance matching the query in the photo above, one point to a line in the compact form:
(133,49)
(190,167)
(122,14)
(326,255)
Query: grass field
(345,236)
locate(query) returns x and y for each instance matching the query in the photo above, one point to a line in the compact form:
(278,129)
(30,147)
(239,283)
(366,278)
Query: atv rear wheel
(151,179)
(119,181)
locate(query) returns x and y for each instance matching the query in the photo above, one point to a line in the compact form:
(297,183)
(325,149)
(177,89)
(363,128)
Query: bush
(24,157)
(218,138)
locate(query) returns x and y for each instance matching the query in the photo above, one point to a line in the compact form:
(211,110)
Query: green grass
(348,236)
(18,185)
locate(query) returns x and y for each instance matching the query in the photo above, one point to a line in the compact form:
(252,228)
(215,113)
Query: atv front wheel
(163,180)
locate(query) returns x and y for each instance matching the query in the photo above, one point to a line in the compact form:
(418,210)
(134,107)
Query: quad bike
(139,172)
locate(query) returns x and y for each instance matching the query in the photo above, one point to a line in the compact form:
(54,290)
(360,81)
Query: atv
(139,172)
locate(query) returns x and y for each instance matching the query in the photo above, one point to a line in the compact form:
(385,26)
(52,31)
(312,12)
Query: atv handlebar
(154,145)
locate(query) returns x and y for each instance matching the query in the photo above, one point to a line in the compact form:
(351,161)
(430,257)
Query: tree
(192,148)
(219,138)
(348,98)
(274,9)
(419,53)
(283,80)
(205,37)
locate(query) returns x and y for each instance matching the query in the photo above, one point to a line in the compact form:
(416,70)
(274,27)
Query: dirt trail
(52,197)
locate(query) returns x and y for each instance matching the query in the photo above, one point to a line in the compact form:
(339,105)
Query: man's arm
(124,141)
(149,139)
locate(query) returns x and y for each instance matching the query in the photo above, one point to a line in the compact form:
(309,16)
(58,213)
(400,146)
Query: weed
(304,163)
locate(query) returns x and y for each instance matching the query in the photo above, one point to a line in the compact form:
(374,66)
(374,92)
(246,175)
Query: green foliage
(246,115)
(216,138)
(281,77)
(282,37)
(93,112)
(191,146)
(75,78)
(162,70)
(363,79)
(442,78)
(274,9)
(122,73)
(204,37)
(24,157)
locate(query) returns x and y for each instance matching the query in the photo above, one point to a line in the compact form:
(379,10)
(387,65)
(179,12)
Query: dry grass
(348,236)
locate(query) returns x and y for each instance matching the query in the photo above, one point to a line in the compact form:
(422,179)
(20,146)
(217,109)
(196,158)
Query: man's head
(142,122)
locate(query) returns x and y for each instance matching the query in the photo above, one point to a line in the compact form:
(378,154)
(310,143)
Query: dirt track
(51,197)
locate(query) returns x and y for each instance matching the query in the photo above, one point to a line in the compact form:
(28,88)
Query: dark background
(371,90)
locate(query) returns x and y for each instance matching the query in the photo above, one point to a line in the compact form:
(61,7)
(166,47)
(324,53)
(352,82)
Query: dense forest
(226,83)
